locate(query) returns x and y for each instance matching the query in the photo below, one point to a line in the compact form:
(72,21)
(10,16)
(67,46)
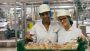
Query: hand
(28,36)
(82,37)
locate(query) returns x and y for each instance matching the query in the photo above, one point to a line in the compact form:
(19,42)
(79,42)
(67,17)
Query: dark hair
(44,12)
(70,20)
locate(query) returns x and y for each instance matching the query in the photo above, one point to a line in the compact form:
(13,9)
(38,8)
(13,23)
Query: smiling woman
(64,19)
(65,22)
(71,34)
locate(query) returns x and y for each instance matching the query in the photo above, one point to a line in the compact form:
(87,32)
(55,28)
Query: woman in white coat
(70,32)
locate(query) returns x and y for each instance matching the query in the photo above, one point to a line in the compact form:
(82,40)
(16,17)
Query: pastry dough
(51,46)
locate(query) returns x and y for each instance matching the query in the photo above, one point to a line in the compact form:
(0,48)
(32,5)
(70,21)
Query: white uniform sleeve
(86,39)
(78,31)
(60,36)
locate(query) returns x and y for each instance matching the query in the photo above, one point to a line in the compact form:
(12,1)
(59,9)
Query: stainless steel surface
(8,49)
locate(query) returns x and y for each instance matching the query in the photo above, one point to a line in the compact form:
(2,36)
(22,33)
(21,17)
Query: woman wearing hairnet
(43,30)
(69,33)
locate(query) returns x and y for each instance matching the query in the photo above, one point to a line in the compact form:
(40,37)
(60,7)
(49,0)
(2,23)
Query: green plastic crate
(21,44)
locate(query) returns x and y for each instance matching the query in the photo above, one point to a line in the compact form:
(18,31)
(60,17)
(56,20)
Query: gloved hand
(83,44)
(28,37)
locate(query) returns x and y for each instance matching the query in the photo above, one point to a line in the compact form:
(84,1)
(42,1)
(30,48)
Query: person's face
(45,16)
(64,21)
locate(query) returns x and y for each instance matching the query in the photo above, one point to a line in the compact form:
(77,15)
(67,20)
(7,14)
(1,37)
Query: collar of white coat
(51,24)
(70,29)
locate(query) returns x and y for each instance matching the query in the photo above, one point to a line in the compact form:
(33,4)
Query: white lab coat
(68,36)
(42,35)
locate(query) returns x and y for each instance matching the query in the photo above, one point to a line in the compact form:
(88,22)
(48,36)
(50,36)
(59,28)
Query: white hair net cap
(63,12)
(44,8)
